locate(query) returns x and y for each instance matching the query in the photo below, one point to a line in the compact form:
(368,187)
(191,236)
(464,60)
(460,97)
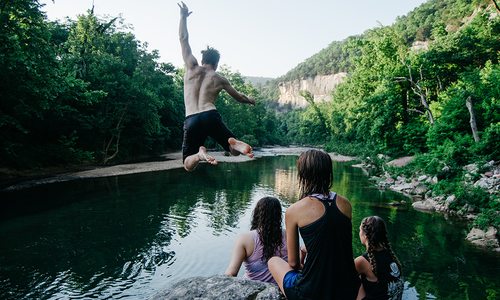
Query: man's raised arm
(187,55)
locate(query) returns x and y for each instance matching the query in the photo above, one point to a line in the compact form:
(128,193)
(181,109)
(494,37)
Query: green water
(129,236)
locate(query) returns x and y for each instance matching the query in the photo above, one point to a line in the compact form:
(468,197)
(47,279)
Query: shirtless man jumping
(201,88)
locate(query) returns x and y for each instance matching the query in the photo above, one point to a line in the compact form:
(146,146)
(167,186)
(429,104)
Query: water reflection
(128,236)
(287,184)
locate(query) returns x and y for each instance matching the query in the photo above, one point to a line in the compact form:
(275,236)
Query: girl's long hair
(315,172)
(376,233)
(266,219)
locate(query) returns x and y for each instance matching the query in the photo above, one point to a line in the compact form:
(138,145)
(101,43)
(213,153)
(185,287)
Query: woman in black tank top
(323,220)
(379,268)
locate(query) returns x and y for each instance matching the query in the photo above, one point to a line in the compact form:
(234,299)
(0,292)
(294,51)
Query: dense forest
(429,86)
(87,91)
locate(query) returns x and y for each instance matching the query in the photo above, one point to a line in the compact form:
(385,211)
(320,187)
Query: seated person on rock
(323,220)
(265,240)
(379,268)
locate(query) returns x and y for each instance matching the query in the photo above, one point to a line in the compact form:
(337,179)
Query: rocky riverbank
(424,199)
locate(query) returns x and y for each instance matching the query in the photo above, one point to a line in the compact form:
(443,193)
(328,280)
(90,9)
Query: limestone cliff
(319,86)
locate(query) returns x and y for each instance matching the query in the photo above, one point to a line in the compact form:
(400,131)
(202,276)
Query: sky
(255,38)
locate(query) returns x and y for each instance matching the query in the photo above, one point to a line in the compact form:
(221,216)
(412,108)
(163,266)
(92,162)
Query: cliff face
(320,87)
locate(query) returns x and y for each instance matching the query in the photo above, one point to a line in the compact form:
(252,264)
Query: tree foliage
(87,91)
(439,100)
(401,100)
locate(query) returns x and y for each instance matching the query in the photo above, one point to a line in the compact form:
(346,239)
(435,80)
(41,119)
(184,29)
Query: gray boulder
(427,205)
(420,189)
(484,239)
(471,168)
(220,287)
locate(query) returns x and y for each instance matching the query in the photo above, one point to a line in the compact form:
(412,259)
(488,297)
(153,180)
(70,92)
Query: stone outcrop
(400,162)
(486,177)
(418,46)
(320,87)
(220,287)
(482,238)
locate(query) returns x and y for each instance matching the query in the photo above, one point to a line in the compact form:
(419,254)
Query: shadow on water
(128,236)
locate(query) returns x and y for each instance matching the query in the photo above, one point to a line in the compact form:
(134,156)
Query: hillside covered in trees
(438,101)
(424,23)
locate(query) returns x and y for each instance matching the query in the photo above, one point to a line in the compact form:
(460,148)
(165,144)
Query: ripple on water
(131,281)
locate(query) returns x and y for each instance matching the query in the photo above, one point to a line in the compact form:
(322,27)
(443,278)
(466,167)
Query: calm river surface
(129,236)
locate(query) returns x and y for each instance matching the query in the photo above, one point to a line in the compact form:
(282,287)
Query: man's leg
(192,145)
(224,137)
(237,147)
(192,161)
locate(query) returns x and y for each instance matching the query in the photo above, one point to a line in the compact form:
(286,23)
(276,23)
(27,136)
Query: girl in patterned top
(378,267)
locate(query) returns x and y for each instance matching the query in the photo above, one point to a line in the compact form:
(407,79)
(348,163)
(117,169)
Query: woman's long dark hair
(376,233)
(315,172)
(266,219)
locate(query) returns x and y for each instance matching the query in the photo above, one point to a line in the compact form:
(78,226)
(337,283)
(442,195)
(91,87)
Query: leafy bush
(414,137)
(475,197)
(488,217)
(488,146)
(445,187)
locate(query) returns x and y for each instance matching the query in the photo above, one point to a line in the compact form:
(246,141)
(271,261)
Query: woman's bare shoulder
(344,206)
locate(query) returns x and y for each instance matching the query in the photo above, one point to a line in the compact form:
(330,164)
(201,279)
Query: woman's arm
(238,256)
(362,267)
(361,293)
(361,264)
(292,238)
(303,254)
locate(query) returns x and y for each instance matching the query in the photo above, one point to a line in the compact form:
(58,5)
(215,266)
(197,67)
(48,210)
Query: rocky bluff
(320,86)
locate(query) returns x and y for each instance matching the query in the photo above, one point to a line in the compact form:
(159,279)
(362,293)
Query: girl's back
(329,271)
(390,284)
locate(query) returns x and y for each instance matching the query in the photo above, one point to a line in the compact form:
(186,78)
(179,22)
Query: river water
(129,236)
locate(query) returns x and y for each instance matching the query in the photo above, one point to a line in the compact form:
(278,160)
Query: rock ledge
(220,287)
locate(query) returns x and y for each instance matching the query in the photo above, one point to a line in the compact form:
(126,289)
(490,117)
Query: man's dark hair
(210,56)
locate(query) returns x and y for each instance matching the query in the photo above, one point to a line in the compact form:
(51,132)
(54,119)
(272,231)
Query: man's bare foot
(204,156)
(241,147)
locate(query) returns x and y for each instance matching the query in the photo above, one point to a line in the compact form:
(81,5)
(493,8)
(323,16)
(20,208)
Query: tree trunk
(473,124)
(428,111)
(496,5)
(420,91)
(114,137)
(404,103)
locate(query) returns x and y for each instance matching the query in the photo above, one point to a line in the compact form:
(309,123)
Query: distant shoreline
(172,161)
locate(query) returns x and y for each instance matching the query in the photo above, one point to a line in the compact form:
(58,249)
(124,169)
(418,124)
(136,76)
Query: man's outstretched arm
(235,94)
(187,54)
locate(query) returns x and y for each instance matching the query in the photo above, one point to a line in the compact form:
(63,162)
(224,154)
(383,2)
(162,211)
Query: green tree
(130,118)
(28,79)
